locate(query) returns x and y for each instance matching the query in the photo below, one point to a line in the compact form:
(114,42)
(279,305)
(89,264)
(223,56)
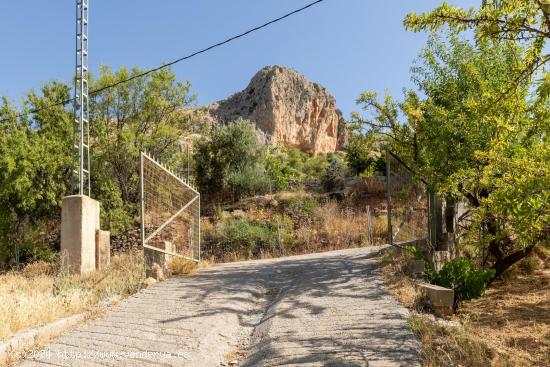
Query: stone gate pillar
(79,224)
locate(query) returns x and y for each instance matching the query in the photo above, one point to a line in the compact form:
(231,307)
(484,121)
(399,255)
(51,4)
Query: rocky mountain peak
(288,110)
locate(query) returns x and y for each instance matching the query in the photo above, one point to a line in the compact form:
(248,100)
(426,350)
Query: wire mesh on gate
(408,218)
(170,211)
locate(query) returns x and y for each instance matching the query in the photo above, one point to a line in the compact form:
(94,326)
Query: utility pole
(81,237)
(81,139)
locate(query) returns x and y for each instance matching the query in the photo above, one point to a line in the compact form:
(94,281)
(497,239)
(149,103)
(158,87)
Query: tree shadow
(319,289)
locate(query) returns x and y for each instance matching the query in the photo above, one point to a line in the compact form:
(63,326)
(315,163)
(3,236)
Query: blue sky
(349,46)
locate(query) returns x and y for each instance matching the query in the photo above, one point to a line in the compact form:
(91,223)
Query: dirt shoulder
(508,326)
(513,317)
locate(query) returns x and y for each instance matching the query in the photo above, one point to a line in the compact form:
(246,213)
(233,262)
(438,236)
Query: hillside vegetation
(474,127)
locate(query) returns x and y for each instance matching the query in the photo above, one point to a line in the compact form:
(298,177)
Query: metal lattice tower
(81,146)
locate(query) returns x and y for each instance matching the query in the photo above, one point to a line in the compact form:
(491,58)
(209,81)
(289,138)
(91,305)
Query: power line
(196,53)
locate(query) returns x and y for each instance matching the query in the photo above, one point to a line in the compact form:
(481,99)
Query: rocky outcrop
(288,110)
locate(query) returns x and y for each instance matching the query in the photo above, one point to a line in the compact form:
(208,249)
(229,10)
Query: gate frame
(174,216)
(429,195)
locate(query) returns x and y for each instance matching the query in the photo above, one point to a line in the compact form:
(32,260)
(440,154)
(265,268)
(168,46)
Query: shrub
(282,228)
(247,181)
(181,266)
(245,236)
(301,207)
(358,156)
(280,172)
(461,275)
(229,162)
(529,265)
(335,174)
(40,267)
(315,166)
(296,158)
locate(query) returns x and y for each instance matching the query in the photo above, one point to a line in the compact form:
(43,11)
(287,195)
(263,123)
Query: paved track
(327,309)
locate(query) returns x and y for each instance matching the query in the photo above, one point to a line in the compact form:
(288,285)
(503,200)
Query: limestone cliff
(287,109)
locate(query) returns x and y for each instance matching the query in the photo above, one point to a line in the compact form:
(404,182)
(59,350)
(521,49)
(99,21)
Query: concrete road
(327,309)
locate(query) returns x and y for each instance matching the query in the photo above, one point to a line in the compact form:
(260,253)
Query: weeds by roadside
(451,346)
(181,266)
(289,225)
(41,293)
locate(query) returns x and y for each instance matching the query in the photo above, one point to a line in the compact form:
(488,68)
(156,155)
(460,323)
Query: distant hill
(288,110)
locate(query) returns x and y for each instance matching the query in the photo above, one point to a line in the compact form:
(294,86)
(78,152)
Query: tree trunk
(497,248)
(502,264)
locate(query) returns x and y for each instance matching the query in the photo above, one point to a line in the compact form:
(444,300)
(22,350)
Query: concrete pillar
(156,262)
(79,223)
(102,249)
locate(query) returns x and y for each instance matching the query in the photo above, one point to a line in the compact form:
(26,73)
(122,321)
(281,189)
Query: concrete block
(79,223)
(156,262)
(441,299)
(416,267)
(102,249)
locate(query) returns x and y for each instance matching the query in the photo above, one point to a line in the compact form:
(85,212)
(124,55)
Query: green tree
(494,152)
(335,174)
(229,162)
(143,114)
(524,22)
(359,151)
(35,163)
(36,153)
(279,170)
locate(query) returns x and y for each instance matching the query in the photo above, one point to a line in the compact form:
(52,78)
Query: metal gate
(408,203)
(170,211)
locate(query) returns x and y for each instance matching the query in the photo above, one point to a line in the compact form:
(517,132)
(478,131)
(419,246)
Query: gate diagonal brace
(159,229)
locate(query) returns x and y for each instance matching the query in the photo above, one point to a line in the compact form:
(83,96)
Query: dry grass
(327,226)
(41,294)
(508,326)
(400,286)
(181,266)
(514,318)
(343,227)
(445,346)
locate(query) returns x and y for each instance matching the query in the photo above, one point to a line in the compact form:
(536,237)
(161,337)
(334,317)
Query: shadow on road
(323,309)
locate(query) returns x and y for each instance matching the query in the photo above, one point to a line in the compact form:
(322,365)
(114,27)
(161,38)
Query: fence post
(388,194)
(141,199)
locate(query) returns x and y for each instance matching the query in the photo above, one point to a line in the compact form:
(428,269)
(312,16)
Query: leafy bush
(315,166)
(228,162)
(301,207)
(461,275)
(247,181)
(296,158)
(359,157)
(358,149)
(335,174)
(245,236)
(280,171)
